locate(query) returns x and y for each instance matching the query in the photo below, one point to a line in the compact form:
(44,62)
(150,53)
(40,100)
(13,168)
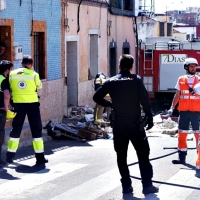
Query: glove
(170,111)
(10,114)
(149,123)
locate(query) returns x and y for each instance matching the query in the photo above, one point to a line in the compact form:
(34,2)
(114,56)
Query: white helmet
(197,88)
(187,62)
(190,61)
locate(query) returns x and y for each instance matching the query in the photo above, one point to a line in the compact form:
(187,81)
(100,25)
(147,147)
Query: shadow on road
(40,169)
(5,175)
(131,197)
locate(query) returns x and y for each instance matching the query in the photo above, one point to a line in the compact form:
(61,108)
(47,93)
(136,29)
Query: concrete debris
(168,123)
(82,118)
(164,126)
(89,117)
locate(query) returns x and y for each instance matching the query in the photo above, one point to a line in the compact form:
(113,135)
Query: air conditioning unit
(18,52)
(2,4)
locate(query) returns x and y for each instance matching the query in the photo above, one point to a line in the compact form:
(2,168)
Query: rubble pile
(82,119)
(80,125)
(164,126)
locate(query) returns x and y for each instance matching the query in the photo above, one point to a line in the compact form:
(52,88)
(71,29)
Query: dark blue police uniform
(128,93)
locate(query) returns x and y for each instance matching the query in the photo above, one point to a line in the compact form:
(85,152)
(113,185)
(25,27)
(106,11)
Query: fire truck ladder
(148,57)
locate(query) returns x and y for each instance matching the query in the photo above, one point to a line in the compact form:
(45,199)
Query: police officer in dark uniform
(128,94)
(5,67)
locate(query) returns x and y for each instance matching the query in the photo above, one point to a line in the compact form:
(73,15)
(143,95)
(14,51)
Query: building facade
(96,33)
(70,42)
(34,28)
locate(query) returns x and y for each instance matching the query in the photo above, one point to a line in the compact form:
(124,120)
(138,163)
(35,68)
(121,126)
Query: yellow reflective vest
(24,84)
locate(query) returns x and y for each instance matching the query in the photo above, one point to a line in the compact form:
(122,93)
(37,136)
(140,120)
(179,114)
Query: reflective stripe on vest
(24,84)
(38,145)
(187,101)
(13,144)
(190,97)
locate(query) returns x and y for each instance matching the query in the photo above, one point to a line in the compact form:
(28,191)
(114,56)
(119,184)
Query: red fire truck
(161,63)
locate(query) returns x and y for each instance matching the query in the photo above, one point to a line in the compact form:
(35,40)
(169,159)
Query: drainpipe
(137,45)
(78,14)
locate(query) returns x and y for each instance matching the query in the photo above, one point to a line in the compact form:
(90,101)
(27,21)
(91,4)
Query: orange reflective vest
(188,101)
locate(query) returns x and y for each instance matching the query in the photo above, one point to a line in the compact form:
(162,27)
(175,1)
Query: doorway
(113,58)
(5,36)
(72,73)
(93,55)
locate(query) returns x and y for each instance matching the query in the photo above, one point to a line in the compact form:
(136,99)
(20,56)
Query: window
(169,29)
(38,47)
(127,5)
(93,56)
(148,82)
(188,37)
(113,58)
(116,3)
(126,48)
(192,36)
(122,4)
(162,29)
(38,53)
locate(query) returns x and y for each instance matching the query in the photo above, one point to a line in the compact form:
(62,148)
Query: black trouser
(2,127)
(125,130)
(32,111)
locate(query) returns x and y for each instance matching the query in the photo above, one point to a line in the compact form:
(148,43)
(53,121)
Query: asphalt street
(88,171)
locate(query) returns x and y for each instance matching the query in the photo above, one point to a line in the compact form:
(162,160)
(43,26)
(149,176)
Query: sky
(163,5)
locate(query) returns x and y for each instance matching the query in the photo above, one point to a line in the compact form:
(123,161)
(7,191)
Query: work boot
(150,189)
(127,189)
(197,173)
(181,156)
(101,122)
(126,185)
(9,157)
(40,159)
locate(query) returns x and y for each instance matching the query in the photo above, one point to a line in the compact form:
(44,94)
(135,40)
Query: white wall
(187,30)
(145,29)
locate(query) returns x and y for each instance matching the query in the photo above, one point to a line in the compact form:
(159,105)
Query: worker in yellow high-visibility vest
(98,111)
(24,83)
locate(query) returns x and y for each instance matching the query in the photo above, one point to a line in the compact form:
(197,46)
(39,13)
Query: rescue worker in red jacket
(189,107)
(24,83)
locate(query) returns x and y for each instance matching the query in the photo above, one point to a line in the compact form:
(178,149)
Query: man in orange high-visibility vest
(189,107)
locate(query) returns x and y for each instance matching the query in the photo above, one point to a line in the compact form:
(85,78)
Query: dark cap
(4,65)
